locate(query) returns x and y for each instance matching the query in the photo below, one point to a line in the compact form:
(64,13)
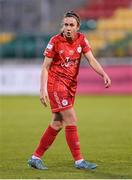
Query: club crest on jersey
(49,46)
(79,49)
(64,102)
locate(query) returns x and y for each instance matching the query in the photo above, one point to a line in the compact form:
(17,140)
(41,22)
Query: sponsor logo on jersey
(70,62)
(79,49)
(49,46)
(64,102)
(66,63)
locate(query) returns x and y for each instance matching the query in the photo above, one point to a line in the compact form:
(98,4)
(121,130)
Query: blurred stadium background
(27,25)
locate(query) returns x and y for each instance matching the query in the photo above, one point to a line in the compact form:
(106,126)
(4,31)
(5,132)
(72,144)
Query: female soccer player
(58,85)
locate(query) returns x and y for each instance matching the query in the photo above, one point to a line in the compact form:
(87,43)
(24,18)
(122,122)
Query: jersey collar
(62,38)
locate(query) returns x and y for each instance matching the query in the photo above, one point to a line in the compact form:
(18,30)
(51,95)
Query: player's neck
(70,39)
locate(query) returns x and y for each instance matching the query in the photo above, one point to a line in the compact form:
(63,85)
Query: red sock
(73,142)
(46,140)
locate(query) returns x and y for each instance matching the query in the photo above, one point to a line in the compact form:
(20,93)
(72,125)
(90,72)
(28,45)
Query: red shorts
(60,101)
(60,95)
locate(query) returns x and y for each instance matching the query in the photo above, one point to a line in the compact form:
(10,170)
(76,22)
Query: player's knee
(57,122)
(57,125)
(70,120)
(69,117)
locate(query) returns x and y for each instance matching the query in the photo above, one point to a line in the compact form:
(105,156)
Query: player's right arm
(43,81)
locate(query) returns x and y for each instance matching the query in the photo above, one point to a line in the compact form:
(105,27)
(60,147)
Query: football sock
(46,140)
(78,161)
(35,157)
(73,141)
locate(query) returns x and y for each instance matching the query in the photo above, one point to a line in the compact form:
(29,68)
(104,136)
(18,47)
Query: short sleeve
(85,45)
(50,49)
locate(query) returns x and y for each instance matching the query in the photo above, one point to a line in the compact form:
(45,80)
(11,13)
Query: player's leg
(46,140)
(71,133)
(57,121)
(49,135)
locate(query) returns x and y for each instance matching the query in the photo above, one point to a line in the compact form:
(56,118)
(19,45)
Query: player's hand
(44,98)
(107,81)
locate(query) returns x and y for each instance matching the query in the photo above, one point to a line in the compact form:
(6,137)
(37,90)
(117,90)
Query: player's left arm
(98,68)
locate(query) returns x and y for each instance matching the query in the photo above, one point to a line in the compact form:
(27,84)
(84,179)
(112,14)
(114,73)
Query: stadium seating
(101,8)
(119,48)
(6,37)
(113,22)
(107,25)
(23,46)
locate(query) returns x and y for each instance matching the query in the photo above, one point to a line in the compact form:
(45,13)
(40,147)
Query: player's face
(70,27)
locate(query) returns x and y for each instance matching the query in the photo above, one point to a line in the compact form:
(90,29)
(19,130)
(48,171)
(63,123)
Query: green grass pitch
(105,130)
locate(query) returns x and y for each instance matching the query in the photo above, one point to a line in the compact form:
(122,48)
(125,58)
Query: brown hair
(74,15)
